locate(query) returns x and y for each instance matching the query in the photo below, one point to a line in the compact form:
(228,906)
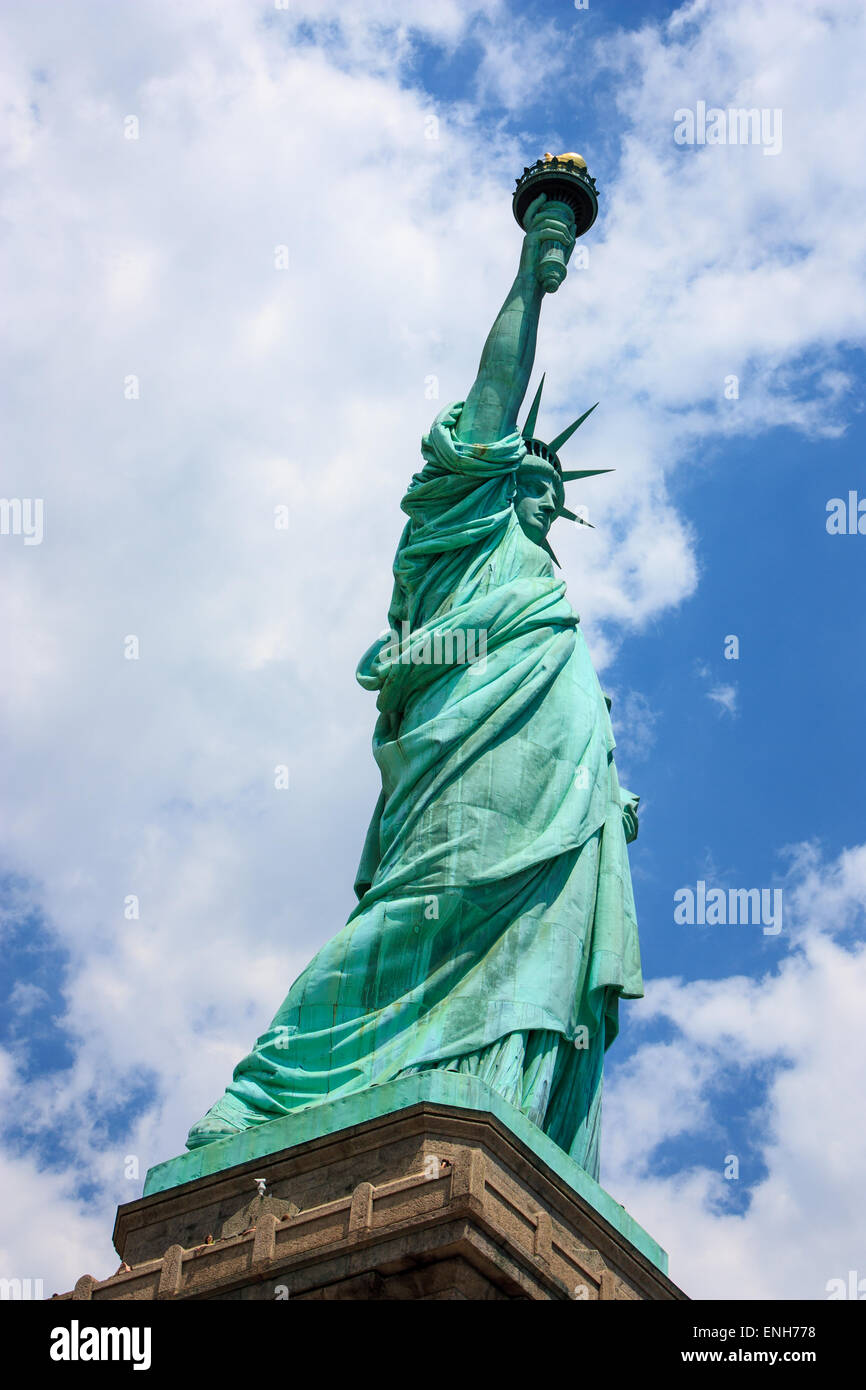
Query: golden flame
(572,158)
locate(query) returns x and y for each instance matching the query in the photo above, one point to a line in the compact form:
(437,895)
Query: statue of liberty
(495,931)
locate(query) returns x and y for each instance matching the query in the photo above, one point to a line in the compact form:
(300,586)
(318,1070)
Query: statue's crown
(549,453)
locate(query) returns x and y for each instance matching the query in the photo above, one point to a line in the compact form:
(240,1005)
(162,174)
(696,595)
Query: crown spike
(529,428)
(571,516)
(573,474)
(555,444)
(545,545)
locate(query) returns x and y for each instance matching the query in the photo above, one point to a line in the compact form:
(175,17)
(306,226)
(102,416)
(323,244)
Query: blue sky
(155,258)
(734,788)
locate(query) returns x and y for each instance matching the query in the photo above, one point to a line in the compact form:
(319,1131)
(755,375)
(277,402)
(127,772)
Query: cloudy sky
(247,253)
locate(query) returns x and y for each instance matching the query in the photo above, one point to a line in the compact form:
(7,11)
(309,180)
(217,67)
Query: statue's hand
(548,243)
(629,815)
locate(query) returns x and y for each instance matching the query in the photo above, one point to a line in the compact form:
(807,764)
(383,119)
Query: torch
(564,179)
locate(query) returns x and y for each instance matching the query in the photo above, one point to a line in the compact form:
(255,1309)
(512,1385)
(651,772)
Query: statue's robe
(495,931)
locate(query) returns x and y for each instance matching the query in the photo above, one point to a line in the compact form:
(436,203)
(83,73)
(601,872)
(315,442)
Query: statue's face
(535,503)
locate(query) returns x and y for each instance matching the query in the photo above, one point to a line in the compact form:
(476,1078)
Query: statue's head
(538,499)
(540,495)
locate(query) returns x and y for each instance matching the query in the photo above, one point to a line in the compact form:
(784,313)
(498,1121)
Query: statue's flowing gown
(495,931)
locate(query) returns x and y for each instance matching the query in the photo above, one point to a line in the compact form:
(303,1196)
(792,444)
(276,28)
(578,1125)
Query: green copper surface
(495,931)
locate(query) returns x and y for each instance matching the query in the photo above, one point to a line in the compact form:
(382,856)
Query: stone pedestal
(439,1191)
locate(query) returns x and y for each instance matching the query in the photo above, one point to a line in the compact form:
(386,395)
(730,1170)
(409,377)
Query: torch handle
(552,263)
(551,266)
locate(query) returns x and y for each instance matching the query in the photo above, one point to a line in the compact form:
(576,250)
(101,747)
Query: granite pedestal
(431,1187)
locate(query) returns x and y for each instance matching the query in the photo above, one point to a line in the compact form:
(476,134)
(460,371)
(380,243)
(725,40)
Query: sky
(248,253)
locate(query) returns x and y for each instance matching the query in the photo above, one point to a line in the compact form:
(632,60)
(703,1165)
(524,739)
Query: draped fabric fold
(495,930)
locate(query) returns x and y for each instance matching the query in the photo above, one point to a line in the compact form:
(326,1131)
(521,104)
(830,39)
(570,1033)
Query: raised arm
(491,407)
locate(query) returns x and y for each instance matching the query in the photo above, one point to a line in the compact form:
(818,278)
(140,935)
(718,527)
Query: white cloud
(634,724)
(725,696)
(25,997)
(49,1233)
(799,1029)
